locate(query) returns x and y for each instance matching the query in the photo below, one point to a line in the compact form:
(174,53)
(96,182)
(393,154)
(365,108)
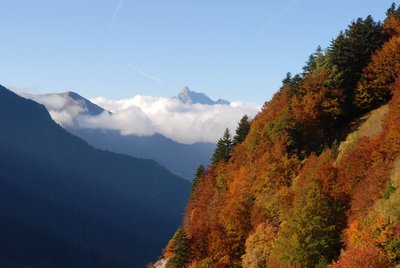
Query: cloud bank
(62,108)
(146,115)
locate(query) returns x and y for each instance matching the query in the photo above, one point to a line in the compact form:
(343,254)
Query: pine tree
(242,130)
(314,61)
(223,150)
(199,172)
(292,83)
(179,248)
(393,11)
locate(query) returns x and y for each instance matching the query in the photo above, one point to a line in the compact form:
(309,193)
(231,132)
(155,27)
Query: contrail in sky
(277,16)
(152,77)
(116,11)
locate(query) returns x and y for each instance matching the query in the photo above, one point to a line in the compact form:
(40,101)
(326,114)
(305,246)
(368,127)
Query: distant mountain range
(181,159)
(191,97)
(64,203)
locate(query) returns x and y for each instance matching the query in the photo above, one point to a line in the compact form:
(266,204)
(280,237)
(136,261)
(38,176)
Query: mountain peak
(71,98)
(185,90)
(187,96)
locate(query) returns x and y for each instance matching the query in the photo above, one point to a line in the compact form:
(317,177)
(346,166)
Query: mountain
(187,96)
(89,107)
(181,159)
(67,204)
(316,181)
(66,105)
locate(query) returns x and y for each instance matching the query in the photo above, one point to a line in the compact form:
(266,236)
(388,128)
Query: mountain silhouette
(67,204)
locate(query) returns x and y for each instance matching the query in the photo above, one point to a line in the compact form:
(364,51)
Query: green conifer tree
(292,83)
(242,130)
(199,172)
(351,51)
(393,11)
(223,150)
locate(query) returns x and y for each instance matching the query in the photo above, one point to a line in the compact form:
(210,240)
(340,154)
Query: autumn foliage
(374,87)
(307,186)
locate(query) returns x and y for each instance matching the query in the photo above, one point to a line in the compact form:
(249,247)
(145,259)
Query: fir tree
(242,130)
(314,61)
(223,150)
(393,11)
(179,248)
(199,172)
(292,83)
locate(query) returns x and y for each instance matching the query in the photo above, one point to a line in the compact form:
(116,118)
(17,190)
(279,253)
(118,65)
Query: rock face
(187,96)
(161,263)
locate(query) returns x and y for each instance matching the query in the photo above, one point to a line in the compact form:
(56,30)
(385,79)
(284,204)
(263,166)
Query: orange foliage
(362,258)
(254,194)
(362,175)
(364,170)
(226,206)
(256,186)
(259,246)
(391,27)
(381,73)
(316,110)
(316,102)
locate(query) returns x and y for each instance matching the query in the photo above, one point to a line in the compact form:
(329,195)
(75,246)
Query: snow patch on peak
(187,96)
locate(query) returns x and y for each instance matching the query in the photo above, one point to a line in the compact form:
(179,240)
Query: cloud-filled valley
(147,115)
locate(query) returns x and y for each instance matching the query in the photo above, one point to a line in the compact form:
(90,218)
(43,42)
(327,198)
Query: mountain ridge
(187,96)
(181,159)
(67,204)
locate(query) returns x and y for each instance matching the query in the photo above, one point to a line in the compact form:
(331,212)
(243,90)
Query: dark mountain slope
(181,159)
(66,204)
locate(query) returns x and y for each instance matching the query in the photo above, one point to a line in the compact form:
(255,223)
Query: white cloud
(146,115)
(132,121)
(62,108)
(180,122)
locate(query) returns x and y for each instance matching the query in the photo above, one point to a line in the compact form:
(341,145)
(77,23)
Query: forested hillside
(316,181)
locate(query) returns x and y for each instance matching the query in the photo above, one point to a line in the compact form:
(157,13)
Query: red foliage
(260,182)
(315,102)
(362,258)
(380,74)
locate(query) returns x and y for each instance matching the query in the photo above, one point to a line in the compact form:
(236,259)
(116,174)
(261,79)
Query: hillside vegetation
(316,181)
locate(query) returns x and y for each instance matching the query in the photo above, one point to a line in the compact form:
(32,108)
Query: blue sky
(237,50)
